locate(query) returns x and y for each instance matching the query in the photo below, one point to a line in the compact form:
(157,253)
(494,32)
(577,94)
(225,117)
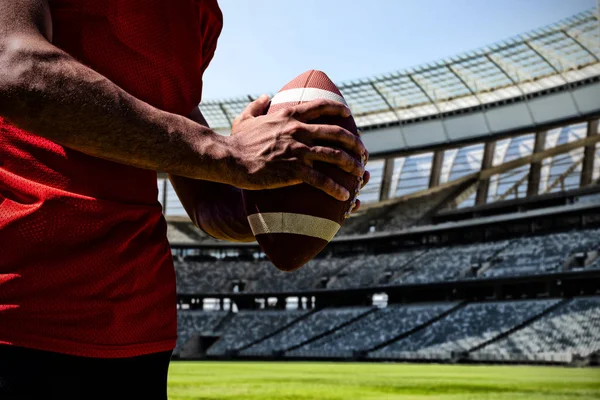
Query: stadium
(478,241)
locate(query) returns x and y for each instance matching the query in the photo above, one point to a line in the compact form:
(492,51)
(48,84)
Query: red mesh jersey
(85,266)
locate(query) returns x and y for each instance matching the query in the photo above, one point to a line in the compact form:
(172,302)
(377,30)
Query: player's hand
(278,149)
(365,180)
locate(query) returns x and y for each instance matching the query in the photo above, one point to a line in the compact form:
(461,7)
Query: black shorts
(33,374)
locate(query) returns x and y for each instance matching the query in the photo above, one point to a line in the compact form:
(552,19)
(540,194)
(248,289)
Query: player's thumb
(256,108)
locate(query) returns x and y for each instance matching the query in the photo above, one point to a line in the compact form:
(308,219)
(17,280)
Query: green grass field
(307,381)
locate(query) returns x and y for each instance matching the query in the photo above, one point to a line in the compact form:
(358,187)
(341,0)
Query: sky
(266,43)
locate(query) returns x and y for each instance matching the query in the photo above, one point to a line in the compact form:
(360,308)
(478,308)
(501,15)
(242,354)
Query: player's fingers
(356,205)
(322,182)
(318,108)
(254,109)
(336,157)
(365,155)
(335,135)
(365,179)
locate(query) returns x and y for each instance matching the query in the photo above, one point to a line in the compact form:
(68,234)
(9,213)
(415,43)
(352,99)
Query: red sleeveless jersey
(85,266)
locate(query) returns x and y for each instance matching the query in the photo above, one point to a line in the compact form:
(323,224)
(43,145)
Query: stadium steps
(277,331)
(521,325)
(353,328)
(335,274)
(223,322)
(418,328)
(481,271)
(337,328)
(493,256)
(407,267)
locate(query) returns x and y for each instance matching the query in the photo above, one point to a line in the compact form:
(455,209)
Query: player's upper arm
(24,19)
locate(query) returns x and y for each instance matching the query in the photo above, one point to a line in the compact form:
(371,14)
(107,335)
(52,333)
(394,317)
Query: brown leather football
(293,224)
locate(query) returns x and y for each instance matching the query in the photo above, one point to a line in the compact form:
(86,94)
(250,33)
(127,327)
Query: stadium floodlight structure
(437,122)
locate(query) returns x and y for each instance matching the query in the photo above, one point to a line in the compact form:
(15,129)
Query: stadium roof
(550,74)
(559,54)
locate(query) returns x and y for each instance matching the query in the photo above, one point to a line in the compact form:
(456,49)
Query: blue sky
(266,43)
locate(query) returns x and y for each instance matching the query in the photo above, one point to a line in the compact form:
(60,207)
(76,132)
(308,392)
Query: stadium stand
(247,327)
(548,330)
(318,323)
(365,270)
(375,328)
(306,278)
(522,256)
(572,330)
(464,329)
(447,263)
(541,254)
(191,323)
(251,276)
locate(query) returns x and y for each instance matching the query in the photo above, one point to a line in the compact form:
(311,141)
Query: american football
(293,224)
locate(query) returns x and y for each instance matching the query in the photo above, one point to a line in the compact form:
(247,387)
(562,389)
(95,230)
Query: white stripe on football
(299,95)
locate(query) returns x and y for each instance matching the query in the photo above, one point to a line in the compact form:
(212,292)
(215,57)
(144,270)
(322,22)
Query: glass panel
(511,184)
(563,171)
(398,165)
(468,160)
(415,174)
(370,193)
(447,163)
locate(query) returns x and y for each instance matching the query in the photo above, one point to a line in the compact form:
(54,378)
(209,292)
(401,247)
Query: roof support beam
(486,163)
(513,189)
(539,53)
(510,78)
(563,62)
(573,38)
(473,93)
(497,169)
(464,195)
(461,79)
(433,103)
(561,179)
(386,179)
(559,73)
(587,170)
(436,168)
(425,93)
(392,109)
(385,100)
(224,111)
(560,149)
(535,169)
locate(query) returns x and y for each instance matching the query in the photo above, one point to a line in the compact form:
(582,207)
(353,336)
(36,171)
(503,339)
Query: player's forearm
(47,92)
(227,219)
(215,208)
